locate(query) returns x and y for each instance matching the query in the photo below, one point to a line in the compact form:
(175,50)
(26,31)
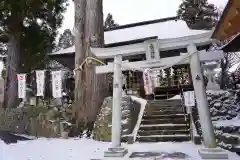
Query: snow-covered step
(172,116)
(163,132)
(164,138)
(165,120)
(167,126)
(157,125)
(161,96)
(166,101)
(162,112)
(167,109)
(157,108)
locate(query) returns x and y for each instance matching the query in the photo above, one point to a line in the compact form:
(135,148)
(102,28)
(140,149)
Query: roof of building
(160,28)
(141,23)
(229,24)
(232,45)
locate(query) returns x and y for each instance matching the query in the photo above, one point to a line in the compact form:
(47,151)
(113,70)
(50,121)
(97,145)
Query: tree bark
(80,9)
(79,26)
(89,87)
(96,84)
(12,67)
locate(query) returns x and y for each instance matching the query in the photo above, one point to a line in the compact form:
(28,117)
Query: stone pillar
(116,150)
(117,95)
(201,98)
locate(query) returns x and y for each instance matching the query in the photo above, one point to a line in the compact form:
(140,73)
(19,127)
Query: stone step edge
(164,119)
(167,136)
(165,115)
(164,111)
(166,130)
(163,125)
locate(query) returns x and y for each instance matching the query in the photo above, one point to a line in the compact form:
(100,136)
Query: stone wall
(37,121)
(224,106)
(102,127)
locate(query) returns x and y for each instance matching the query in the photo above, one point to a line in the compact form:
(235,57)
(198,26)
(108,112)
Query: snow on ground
(85,149)
(175,97)
(233,122)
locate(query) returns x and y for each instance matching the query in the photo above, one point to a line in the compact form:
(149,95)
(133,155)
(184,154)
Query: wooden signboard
(189,98)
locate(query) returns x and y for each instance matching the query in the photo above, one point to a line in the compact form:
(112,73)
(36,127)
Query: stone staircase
(164,120)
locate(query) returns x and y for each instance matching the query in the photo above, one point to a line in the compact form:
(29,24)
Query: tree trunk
(79,96)
(89,87)
(95,84)
(12,67)
(80,9)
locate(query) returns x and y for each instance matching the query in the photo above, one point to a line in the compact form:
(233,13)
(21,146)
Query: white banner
(189,98)
(148,83)
(21,85)
(56,84)
(40,78)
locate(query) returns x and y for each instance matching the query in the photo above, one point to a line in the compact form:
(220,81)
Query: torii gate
(192,57)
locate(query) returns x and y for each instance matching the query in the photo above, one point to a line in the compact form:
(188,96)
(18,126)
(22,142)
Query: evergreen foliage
(198,14)
(109,22)
(66,40)
(29,28)
(34,23)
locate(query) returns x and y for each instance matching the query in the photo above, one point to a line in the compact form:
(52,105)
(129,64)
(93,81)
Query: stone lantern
(210,73)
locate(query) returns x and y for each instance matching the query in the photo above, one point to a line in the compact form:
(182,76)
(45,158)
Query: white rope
(129,67)
(173,64)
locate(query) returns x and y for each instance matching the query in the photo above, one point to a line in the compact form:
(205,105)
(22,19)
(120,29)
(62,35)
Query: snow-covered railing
(195,136)
(143,103)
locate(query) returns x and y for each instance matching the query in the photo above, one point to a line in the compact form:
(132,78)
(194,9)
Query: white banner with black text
(56,84)
(21,85)
(40,78)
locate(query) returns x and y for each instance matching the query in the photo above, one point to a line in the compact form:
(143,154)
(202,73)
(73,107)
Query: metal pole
(201,98)
(117,95)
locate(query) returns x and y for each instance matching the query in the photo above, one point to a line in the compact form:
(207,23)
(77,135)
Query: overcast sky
(130,11)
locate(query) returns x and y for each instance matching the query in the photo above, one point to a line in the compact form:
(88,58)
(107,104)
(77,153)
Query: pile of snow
(175,97)
(228,123)
(85,149)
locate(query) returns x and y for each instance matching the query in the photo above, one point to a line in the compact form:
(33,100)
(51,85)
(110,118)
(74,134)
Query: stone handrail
(143,103)
(196,138)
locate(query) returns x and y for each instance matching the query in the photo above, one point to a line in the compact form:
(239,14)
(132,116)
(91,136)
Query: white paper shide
(40,78)
(21,85)
(56,84)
